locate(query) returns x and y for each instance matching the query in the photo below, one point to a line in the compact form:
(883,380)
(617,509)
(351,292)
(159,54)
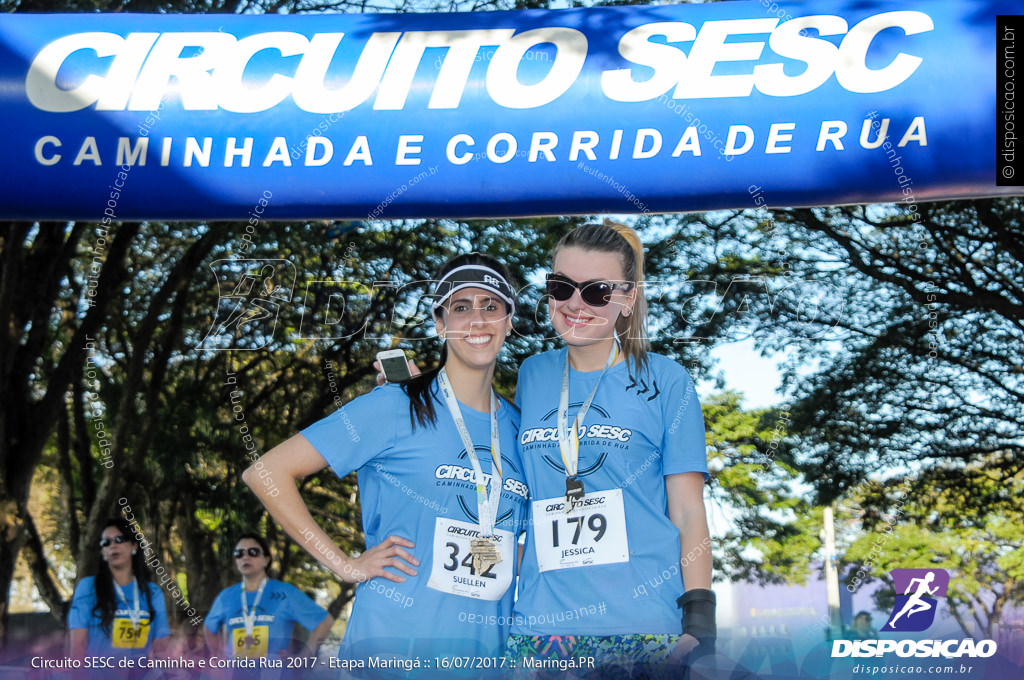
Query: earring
(508,332)
(441,335)
(133,553)
(627,311)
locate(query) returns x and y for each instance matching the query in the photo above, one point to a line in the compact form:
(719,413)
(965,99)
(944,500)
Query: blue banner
(609,110)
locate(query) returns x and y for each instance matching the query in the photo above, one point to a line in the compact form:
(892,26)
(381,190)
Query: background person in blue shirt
(264,626)
(119,611)
(447,591)
(621,431)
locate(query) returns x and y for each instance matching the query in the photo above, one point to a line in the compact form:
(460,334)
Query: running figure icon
(915,603)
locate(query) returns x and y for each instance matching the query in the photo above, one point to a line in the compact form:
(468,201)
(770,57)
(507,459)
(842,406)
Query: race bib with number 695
(254,648)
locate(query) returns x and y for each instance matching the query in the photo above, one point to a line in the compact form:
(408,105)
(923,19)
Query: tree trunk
(12,538)
(39,264)
(41,576)
(201,572)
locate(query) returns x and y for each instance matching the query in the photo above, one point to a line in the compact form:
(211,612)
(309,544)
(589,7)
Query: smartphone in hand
(394,365)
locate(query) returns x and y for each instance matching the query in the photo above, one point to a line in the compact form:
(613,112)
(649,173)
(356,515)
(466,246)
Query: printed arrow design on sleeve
(656,390)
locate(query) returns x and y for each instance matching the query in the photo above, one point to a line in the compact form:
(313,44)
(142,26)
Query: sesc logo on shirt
(462,476)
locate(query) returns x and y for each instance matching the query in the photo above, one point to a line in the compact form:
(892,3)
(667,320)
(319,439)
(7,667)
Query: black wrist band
(696,595)
(698,607)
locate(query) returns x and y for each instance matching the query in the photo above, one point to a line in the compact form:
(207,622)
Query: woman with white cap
(442,491)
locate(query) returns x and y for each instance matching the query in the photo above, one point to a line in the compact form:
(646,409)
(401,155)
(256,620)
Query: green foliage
(772,532)
(876,400)
(923,362)
(965,519)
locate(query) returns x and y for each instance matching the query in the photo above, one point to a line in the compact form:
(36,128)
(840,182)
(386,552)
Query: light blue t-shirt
(102,643)
(280,608)
(639,429)
(408,478)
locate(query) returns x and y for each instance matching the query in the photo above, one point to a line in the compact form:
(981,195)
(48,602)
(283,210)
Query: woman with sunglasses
(441,488)
(258,614)
(613,442)
(119,611)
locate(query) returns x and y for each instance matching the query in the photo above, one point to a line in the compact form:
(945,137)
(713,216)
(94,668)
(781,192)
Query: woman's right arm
(283,466)
(79,619)
(79,641)
(214,642)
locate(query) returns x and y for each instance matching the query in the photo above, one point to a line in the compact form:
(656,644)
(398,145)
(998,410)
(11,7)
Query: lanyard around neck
(135,614)
(249,615)
(487,503)
(569,442)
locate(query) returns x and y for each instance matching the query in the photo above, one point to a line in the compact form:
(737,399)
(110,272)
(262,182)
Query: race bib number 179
(594,532)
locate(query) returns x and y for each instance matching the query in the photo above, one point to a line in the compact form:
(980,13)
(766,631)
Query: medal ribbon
(570,443)
(249,615)
(135,614)
(487,504)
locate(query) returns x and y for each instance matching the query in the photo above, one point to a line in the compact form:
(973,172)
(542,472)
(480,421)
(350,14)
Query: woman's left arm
(686,510)
(161,644)
(317,635)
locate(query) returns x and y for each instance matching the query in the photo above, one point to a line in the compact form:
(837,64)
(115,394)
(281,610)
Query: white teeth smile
(479,340)
(575,319)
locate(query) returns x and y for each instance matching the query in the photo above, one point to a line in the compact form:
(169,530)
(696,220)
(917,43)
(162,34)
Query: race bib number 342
(594,532)
(453,570)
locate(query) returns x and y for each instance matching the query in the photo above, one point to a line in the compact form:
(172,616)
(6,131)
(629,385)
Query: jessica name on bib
(592,532)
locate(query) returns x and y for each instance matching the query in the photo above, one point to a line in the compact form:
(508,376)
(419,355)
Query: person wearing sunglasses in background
(258,615)
(612,440)
(119,612)
(441,489)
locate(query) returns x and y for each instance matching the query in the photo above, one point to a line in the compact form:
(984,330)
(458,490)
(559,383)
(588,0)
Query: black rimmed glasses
(595,293)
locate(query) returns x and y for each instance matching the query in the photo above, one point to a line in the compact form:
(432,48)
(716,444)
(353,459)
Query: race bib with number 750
(126,635)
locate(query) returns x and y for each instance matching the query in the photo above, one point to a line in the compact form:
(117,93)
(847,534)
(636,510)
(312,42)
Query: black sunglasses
(595,293)
(119,539)
(253,552)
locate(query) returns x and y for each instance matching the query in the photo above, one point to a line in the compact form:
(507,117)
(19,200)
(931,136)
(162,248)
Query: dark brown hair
(106,600)
(421,403)
(253,536)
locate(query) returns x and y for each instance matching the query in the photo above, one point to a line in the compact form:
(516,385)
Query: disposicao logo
(917,593)
(914,610)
